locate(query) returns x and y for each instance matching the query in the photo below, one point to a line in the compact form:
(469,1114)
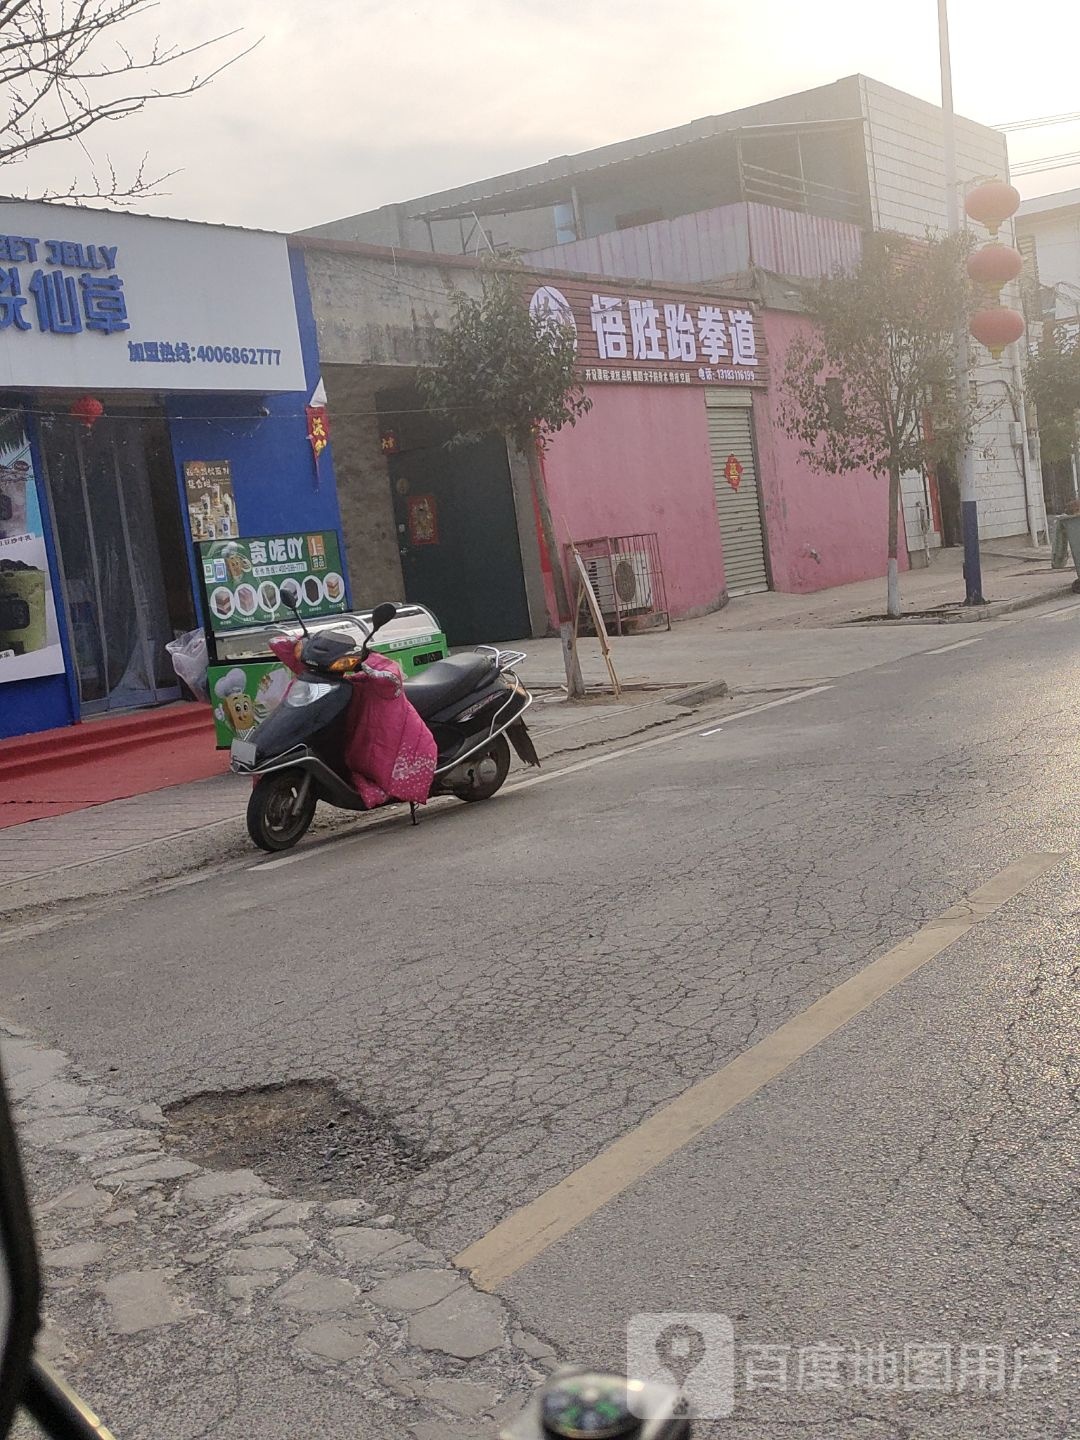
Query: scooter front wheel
(280,810)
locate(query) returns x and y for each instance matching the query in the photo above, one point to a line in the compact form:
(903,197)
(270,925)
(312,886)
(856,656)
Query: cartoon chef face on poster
(235,707)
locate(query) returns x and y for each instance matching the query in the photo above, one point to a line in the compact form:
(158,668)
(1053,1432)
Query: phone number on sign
(156,352)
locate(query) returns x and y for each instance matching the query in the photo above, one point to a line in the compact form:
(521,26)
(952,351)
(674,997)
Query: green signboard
(244,693)
(256,581)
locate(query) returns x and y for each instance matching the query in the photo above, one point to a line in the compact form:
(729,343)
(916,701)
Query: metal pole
(969,508)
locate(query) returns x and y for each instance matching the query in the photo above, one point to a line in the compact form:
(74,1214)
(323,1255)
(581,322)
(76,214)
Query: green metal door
(456,527)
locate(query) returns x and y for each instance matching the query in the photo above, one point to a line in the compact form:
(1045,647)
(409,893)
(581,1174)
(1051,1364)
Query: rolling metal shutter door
(739,511)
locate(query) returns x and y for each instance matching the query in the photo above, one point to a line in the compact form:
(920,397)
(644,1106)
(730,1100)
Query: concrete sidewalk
(778,641)
(1014,574)
(162,835)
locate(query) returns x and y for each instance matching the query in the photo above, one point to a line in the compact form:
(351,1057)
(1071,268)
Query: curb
(698,694)
(992,610)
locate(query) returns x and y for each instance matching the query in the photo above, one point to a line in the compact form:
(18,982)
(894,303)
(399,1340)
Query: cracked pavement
(514,986)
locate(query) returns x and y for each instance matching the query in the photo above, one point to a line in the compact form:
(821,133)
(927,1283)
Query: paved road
(516,986)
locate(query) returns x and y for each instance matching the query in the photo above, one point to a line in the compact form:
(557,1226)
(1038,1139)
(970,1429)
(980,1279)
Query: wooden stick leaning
(597,618)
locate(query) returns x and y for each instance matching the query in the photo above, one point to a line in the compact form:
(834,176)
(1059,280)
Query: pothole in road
(305,1137)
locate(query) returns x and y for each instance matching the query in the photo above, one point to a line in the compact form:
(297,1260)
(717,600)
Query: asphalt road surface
(882,1209)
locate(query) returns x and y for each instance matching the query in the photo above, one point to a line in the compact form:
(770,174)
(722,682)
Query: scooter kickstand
(412,812)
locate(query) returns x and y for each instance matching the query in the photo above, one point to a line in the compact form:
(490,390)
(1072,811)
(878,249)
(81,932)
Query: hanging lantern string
(54,414)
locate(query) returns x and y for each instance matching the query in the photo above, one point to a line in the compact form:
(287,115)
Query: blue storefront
(158,385)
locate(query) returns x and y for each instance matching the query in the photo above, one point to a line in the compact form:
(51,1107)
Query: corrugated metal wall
(712,244)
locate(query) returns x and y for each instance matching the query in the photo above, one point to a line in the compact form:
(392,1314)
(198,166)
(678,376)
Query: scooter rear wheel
(489,770)
(280,809)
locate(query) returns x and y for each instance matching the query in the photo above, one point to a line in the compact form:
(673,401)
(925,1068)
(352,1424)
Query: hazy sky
(349,104)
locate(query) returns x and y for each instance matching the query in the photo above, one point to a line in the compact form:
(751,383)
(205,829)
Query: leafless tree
(66,67)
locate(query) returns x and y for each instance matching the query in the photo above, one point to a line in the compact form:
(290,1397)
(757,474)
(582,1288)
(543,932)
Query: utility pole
(969,508)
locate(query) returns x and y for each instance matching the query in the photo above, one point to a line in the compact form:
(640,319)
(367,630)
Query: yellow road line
(528,1232)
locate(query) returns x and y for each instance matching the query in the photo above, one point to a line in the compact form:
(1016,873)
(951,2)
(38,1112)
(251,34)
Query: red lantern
(995,265)
(991,204)
(87,409)
(997,327)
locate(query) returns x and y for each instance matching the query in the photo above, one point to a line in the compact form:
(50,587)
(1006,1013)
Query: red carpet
(56,771)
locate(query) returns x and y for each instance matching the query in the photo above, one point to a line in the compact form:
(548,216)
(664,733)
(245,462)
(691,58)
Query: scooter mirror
(382,615)
(20,1287)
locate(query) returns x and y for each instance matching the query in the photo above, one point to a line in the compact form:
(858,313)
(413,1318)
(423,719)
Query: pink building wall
(821,529)
(639,461)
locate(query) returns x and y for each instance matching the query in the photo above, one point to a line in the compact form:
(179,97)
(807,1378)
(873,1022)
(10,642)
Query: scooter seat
(444,681)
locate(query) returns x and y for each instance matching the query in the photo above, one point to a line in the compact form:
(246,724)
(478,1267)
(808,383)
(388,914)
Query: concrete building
(787,187)
(1048,235)
(681,460)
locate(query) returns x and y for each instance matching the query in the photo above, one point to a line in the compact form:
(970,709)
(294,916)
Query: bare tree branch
(66,67)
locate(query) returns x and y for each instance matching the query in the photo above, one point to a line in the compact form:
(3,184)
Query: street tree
(871,384)
(501,369)
(1052,379)
(69,66)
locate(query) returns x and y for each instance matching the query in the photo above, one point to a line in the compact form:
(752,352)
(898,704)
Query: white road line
(543,779)
(1059,613)
(956,645)
(769,705)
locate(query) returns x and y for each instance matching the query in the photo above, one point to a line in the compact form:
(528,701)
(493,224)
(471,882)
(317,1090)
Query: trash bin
(1071,526)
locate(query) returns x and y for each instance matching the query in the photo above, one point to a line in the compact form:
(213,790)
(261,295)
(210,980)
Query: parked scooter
(472,704)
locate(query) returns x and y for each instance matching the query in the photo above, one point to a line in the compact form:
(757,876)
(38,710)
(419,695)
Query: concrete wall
(821,529)
(1057,250)
(393,225)
(363,481)
(639,461)
(371,310)
(905,157)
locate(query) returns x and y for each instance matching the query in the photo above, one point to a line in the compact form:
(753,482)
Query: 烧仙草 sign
(99,301)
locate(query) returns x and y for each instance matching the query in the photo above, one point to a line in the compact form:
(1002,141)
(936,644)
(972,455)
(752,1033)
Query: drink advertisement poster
(210,500)
(29,632)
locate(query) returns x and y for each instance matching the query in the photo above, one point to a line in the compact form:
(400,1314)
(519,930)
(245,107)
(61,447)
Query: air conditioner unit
(620,582)
(598,569)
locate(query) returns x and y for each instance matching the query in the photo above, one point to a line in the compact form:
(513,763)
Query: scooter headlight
(306,692)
